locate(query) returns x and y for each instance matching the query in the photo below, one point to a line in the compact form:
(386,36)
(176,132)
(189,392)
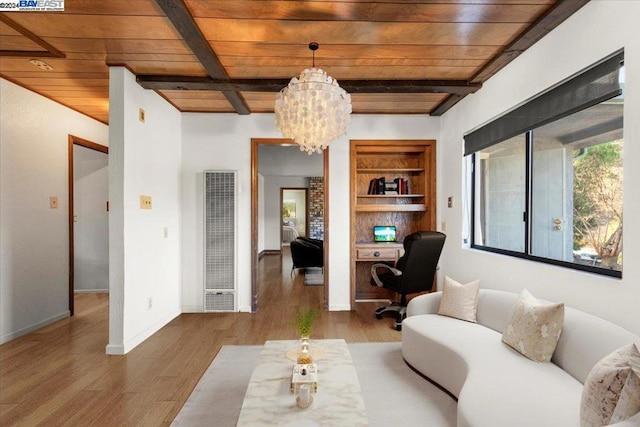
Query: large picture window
(547,177)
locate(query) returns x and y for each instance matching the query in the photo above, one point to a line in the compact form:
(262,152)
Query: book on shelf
(373,186)
(376,186)
(402,186)
(381,184)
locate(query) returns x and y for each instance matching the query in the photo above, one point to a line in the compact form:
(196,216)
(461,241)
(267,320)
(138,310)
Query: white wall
(34,239)
(272,214)
(145,263)
(91,220)
(595,31)
(223,141)
(288,161)
(217,142)
(283,166)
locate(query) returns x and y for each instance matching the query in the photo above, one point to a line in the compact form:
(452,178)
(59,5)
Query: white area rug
(393,394)
(313,276)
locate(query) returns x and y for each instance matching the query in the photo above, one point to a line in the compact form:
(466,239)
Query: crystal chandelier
(313,109)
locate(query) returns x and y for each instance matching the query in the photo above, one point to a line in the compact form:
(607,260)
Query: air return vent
(220,212)
(223,301)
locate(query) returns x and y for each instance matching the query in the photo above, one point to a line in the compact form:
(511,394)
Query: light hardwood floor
(60,374)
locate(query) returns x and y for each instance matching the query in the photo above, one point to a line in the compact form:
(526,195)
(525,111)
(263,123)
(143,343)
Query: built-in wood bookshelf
(413,161)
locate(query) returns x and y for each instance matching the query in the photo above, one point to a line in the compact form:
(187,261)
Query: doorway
(293,209)
(88,218)
(259,228)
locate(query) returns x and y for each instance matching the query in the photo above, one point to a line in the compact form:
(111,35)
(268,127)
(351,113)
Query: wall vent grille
(220,213)
(221,301)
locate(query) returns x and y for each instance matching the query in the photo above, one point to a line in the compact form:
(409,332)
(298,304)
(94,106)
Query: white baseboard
(340,307)
(244,309)
(20,332)
(116,350)
(124,348)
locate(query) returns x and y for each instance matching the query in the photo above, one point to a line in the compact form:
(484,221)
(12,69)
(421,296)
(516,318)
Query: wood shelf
(382,146)
(392,208)
(390,170)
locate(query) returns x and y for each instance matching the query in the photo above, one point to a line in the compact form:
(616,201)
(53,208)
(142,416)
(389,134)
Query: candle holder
(304,398)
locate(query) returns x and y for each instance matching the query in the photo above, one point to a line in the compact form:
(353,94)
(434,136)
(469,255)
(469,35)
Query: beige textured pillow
(533,328)
(612,391)
(458,300)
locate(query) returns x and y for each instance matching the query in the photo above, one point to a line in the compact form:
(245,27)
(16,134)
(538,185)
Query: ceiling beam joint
(179,15)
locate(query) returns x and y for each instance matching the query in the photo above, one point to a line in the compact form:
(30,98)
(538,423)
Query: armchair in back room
(307,252)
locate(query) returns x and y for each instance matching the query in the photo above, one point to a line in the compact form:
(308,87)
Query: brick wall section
(316,207)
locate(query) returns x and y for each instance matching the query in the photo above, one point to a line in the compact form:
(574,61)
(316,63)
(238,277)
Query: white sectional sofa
(495,385)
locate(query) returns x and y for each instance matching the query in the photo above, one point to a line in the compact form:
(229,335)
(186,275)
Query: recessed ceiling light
(41,64)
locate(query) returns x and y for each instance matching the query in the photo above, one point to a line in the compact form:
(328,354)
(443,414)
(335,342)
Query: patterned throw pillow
(533,328)
(458,300)
(612,391)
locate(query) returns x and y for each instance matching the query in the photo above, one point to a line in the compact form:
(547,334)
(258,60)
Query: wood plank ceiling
(233,56)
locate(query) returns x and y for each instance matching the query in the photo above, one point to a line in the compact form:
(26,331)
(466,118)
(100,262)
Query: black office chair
(413,272)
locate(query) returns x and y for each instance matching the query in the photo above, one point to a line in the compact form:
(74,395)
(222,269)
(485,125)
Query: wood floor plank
(61,376)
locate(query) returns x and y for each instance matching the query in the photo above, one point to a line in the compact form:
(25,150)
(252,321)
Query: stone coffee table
(338,402)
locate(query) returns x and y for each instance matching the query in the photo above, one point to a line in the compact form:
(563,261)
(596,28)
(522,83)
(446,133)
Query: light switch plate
(53,202)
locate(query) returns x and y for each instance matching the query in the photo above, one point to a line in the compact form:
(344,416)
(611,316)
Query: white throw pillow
(533,328)
(458,300)
(611,392)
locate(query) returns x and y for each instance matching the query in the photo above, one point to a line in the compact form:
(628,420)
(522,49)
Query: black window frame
(478,140)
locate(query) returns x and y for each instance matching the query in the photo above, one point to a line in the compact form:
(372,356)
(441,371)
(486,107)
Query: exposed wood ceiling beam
(445,105)
(50,51)
(183,22)
(547,22)
(158,82)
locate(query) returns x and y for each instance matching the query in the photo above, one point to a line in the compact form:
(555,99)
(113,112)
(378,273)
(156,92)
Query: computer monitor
(384,233)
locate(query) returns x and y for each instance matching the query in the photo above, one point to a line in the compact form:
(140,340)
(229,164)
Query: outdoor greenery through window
(553,193)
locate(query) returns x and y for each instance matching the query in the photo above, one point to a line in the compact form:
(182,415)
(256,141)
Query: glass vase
(304,356)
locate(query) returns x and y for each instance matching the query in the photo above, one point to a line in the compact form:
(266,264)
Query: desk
(269,402)
(378,251)
(367,254)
